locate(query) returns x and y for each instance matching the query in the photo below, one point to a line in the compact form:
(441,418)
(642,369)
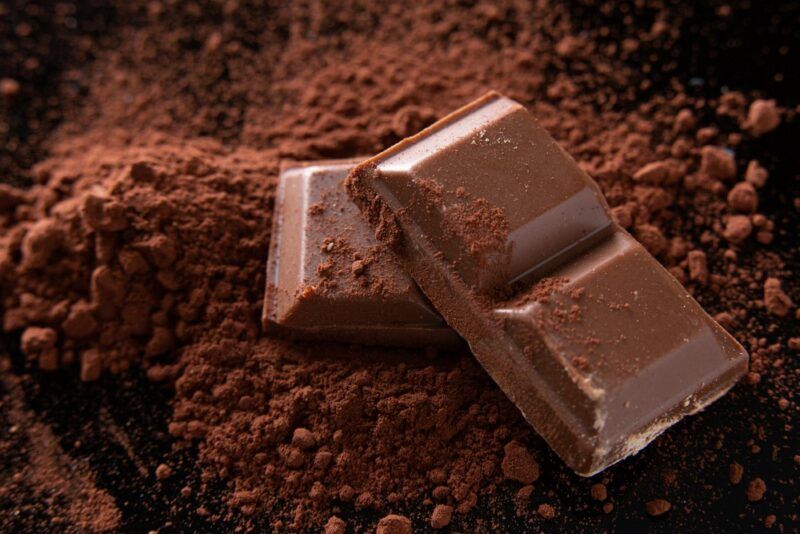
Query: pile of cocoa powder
(140,243)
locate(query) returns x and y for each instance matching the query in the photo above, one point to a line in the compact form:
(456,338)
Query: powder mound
(114,296)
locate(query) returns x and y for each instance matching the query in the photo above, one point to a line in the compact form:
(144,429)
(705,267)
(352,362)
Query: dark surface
(743,52)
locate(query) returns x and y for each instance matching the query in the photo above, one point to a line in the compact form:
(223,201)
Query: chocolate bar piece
(329,278)
(594,341)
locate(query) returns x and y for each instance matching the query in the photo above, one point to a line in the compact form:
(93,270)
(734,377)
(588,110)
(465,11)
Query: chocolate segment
(329,278)
(595,342)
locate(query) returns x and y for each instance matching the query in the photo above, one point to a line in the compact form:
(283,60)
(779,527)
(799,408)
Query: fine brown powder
(142,241)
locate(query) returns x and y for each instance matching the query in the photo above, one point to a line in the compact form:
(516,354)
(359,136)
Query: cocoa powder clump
(518,464)
(394,524)
(756,490)
(658,507)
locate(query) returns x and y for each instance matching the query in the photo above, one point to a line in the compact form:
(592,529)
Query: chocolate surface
(595,342)
(329,278)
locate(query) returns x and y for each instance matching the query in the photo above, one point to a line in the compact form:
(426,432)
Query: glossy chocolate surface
(329,278)
(596,343)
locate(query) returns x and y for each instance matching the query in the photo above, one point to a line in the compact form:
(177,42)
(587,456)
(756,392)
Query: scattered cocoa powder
(141,242)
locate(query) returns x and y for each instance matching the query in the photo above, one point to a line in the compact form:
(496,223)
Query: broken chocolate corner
(596,343)
(329,278)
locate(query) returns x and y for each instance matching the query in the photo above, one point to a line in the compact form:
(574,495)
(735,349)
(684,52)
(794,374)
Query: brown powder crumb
(756,174)
(655,173)
(697,262)
(91,365)
(769,521)
(752,378)
(546,511)
(441,516)
(9,87)
(756,489)
(394,524)
(716,163)
(163,472)
(775,300)
(794,343)
(652,238)
(743,198)
(684,121)
(39,344)
(599,492)
(608,507)
(763,117)
(335,526)
(524,493)
(518,464)
(657,507)
(735,472)
(358,267)
(738,228)
(303,439)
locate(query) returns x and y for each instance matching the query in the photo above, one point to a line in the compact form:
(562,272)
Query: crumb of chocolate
(599,492)
(546,511)
(738,228)
(335,525)
(658,507)
(9,87)
(735,472)
(743,198)
(163,472)
(755,174)
(441,516)
(756,489)
(776,301)
(762,117)
(394,524)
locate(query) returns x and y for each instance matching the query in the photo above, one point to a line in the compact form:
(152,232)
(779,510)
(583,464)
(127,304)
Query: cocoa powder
(142,242)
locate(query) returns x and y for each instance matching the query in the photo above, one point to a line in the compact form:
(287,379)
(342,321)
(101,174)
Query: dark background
(755,49)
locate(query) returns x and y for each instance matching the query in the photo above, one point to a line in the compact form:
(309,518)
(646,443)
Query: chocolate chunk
(329,278)
(516,248)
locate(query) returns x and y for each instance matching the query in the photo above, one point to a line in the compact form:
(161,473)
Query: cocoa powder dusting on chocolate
(139,240)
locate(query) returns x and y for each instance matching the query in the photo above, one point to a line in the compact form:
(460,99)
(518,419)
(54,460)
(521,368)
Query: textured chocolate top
(596,343)
(327,275)
(493,192)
